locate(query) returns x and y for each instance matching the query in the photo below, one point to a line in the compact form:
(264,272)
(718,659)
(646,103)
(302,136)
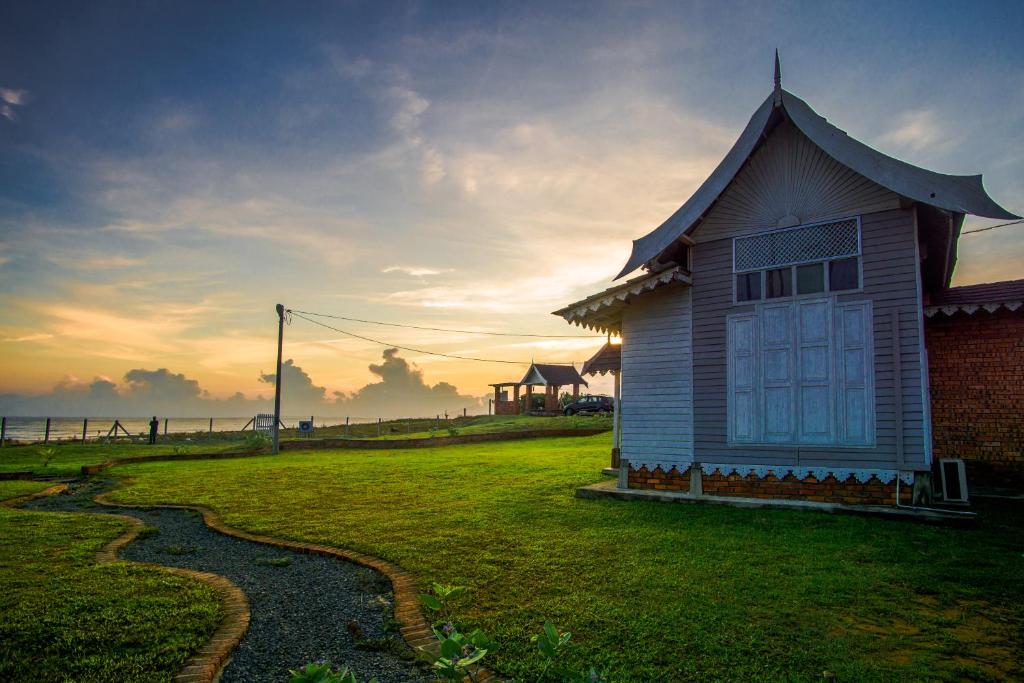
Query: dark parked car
(590,404)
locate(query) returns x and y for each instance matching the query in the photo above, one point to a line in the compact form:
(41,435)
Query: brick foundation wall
(828,490)
(976,370)
(659,479)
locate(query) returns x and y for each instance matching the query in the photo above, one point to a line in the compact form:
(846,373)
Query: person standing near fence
(154,427)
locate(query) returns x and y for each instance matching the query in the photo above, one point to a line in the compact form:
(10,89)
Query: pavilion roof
(560,375)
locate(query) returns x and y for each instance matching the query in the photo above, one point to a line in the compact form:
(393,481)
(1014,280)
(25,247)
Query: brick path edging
(415,629)
(21,500)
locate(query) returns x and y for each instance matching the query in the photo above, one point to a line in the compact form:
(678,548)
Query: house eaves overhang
(953,193)
(971,309)
(603,311)
(988,297)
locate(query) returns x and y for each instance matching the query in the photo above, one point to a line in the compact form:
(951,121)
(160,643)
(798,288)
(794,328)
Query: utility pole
(277,380)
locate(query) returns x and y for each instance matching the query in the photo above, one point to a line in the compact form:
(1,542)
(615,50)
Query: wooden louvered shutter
(855,391)
(778,416)
(815,377)
(743,372)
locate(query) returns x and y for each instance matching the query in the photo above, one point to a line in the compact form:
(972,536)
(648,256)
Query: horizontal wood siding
(657,386)
(790,177)
(890,281)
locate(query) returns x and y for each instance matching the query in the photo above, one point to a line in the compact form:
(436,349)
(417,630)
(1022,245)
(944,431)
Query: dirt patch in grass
(975,639)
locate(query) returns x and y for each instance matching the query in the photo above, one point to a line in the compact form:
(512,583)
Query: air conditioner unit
(954,480)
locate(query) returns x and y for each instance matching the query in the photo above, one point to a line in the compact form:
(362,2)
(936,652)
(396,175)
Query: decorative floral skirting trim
(819,473)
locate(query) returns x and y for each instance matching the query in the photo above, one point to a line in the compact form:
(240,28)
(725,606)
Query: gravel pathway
(304,608)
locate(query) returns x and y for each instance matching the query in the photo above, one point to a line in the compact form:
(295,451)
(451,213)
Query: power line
(407,348)
(442,329)
(993,227)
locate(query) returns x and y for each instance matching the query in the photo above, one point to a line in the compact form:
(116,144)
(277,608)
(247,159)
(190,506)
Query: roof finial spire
(778,80)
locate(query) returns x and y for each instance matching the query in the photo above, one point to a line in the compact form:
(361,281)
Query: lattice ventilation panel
(798,245)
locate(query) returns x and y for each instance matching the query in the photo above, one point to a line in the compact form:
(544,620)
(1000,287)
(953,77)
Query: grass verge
(66,459)
(650,591)
(475,424)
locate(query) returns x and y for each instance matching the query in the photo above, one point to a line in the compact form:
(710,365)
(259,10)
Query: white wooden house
(773,344)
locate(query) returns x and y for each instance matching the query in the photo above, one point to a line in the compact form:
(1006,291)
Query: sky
(169,171)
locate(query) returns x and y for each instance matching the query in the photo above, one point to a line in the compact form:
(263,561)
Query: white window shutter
(741,345)
(778,414)
(854,333)
(815,375)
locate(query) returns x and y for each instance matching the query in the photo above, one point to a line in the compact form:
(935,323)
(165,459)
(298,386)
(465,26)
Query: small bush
(257,441)
(324,672)
(47,454)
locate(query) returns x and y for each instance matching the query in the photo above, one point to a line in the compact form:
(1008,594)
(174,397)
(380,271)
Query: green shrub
(324,672)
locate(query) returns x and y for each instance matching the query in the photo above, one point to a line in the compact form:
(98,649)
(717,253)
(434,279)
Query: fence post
(165,426)
(3,431)
(378,426)
(464,412)
(85,429)
(211,425)
(437,422)
(46,437)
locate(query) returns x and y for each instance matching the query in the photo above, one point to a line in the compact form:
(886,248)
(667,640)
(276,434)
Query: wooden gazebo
(551,377)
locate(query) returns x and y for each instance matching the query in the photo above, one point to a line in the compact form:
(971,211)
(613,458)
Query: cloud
(402,392)
(143,392)
(15,97)
(297,388)
(29,337)
(915,131)
(415,271)
(10,99)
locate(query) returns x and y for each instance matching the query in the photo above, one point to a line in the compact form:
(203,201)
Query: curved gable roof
(959,194)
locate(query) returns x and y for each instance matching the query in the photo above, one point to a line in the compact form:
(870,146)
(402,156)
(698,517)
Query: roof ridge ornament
(777,96)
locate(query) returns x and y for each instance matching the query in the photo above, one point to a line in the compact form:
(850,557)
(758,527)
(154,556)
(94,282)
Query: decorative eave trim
(820,473)
(590,312)
(971,309)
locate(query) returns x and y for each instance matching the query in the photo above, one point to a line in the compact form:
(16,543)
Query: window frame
(793,266)
(758,439)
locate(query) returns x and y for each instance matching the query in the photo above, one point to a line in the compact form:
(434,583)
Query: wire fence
(28,430)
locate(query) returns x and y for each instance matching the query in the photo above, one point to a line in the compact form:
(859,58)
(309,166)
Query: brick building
(975,341)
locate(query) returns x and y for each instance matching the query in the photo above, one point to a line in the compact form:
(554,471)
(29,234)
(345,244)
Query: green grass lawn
(651,592)
(67,459)
(474,424)
(14,489)
(65,618)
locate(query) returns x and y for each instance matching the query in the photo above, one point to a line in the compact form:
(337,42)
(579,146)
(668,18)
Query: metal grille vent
(798,245)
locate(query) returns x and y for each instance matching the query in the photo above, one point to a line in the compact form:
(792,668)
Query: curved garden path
(286,603)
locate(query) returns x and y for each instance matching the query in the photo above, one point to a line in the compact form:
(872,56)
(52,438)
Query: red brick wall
(828,490)
(976,370)
(658,479)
